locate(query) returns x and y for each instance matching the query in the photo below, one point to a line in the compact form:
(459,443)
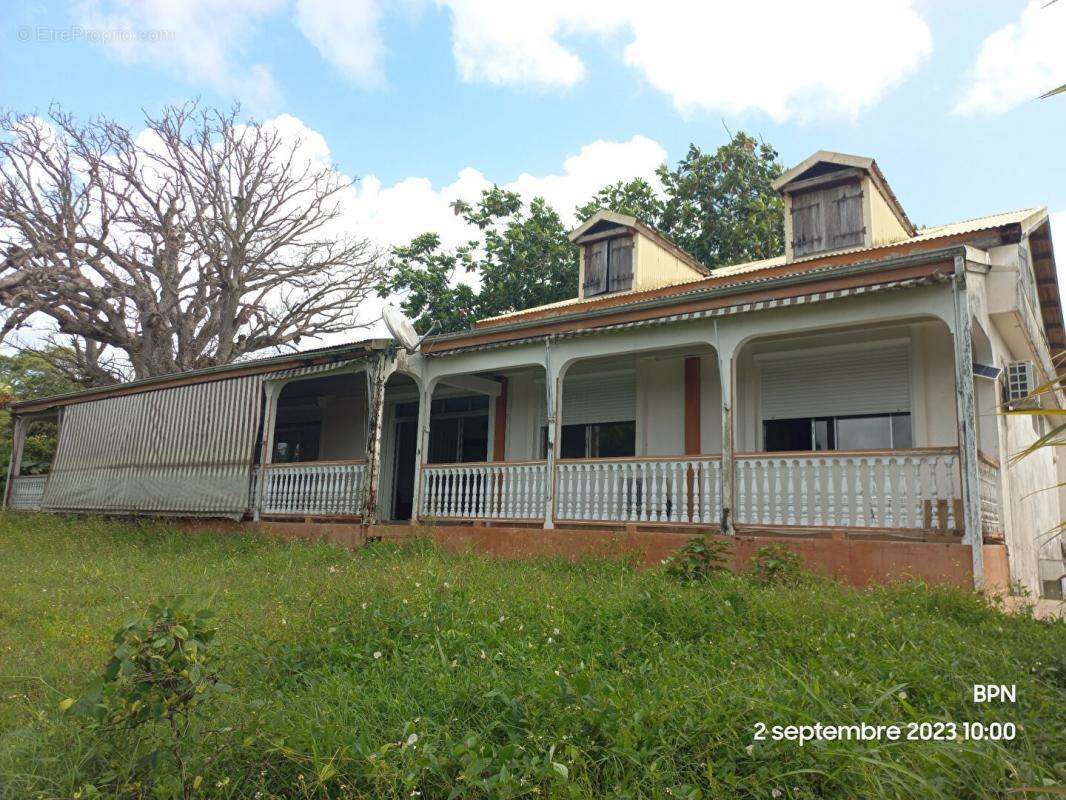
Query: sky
(422,102)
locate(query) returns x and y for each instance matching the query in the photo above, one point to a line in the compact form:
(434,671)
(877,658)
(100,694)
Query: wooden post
(14,464)
(425,401)
(271,390)
(966,408)
(499,423)
(726,355)
(692,406)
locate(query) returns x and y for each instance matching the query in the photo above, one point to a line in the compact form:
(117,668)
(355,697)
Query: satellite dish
(401,328)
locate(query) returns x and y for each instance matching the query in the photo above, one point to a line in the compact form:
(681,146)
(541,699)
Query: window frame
(611,282)
(834,431)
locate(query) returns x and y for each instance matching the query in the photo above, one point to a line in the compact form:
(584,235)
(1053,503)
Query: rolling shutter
(836,382)
(600,398)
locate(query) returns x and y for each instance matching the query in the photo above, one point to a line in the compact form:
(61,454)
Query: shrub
(775,564)
(699,559)
(162,673)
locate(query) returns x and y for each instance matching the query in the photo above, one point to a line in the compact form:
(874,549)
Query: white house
(850,388)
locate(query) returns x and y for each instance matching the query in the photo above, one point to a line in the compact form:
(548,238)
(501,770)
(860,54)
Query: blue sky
(427,100)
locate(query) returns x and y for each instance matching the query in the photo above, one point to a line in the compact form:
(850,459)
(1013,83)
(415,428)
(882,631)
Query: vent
(1020,383)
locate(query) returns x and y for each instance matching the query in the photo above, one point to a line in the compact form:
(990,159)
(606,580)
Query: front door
(403,477)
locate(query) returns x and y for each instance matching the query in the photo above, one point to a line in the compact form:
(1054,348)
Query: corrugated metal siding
(185,450)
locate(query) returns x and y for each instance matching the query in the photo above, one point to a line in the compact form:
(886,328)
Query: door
(403,477)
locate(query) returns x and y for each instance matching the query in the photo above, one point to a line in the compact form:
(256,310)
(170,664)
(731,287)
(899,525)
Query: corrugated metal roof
(975,225)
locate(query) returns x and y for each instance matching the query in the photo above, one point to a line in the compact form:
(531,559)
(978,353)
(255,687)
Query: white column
(725,350)
(378,371)
(553,391)
(967,419)
(425,400)
(271,390)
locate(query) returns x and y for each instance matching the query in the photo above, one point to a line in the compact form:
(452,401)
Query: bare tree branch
(195,243)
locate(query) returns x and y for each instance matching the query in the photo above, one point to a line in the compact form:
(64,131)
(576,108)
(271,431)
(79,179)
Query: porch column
(272,390)
(14,464)
(425,400)
(726,341)
(377,373)
(966,409)
(553,391)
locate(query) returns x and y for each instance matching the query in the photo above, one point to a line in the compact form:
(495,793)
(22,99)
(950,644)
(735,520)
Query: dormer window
(608,266)
(827,219)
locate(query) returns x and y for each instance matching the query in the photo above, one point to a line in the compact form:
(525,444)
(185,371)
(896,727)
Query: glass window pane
(864,433)
(454,405)
(407,409)
(902,438)
(475,443)
(437,407)
(572,442)
(824,434)
(616,440)
(479,402)
(444,440)
(781,435)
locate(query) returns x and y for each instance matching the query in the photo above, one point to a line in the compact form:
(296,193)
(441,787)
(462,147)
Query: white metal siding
(873,379)
(186,449)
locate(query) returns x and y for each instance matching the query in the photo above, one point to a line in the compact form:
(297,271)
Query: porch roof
(322,356)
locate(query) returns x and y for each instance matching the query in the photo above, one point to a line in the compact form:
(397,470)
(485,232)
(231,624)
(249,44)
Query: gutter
(696,295)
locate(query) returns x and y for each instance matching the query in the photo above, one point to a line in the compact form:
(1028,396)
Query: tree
(721,207)
(192,244)
(25,376)
(523,259)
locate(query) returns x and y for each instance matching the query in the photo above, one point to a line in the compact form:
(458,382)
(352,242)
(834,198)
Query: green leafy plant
(699,559)
(775,564)
(162,674)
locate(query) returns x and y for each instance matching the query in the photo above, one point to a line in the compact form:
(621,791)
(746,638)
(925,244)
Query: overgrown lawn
(403,673)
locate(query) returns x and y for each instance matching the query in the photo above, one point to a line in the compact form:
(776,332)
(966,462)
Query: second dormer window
(608,266)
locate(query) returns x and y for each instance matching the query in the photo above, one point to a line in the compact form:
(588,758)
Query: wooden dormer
(619,254)
(835,201)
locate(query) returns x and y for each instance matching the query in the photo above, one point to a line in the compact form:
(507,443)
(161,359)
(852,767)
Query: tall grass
(407,672)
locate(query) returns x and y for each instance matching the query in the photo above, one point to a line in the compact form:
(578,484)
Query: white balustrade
(675,489)
(988,478)
(906,489)
(27,491)
(310,488)
(494,490)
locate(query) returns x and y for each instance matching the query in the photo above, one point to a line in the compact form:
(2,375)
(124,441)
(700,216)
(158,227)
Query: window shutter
(807,225)
(844,226)
(596,268)
(836,382)
(589,399)
(620,264)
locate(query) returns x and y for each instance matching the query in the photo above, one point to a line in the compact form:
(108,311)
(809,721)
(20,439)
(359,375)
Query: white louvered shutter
(831,383)
(600,398)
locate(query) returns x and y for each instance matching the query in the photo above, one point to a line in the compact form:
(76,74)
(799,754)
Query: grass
(392,672)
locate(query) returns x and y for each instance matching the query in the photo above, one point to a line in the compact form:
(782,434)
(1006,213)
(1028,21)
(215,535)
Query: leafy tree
(635,198)
(524,260)
(25,376)
(720,206)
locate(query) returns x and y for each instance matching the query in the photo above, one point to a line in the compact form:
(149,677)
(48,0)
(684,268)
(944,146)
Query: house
(844,396)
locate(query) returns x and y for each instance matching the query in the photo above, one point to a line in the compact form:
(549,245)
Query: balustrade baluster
(860,497)
(816,471)
(934,485)
(888,498)
(871,492)
(845,498)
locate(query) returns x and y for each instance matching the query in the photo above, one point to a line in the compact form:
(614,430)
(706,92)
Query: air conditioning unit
(1021,382)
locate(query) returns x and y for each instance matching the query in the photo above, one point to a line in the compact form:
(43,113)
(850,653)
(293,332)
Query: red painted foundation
(856,561)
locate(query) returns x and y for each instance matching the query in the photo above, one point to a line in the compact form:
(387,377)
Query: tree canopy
(718,206)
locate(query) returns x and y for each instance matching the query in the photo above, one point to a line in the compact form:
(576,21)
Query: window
(859,432)
(827,218)
(459,430)
(596,440)
(294,443)
(608,266)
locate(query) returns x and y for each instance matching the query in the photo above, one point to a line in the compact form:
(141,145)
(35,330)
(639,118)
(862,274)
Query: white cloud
(1058,238)
(201,41)
(1020,61)
(346,34)
(784,58)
